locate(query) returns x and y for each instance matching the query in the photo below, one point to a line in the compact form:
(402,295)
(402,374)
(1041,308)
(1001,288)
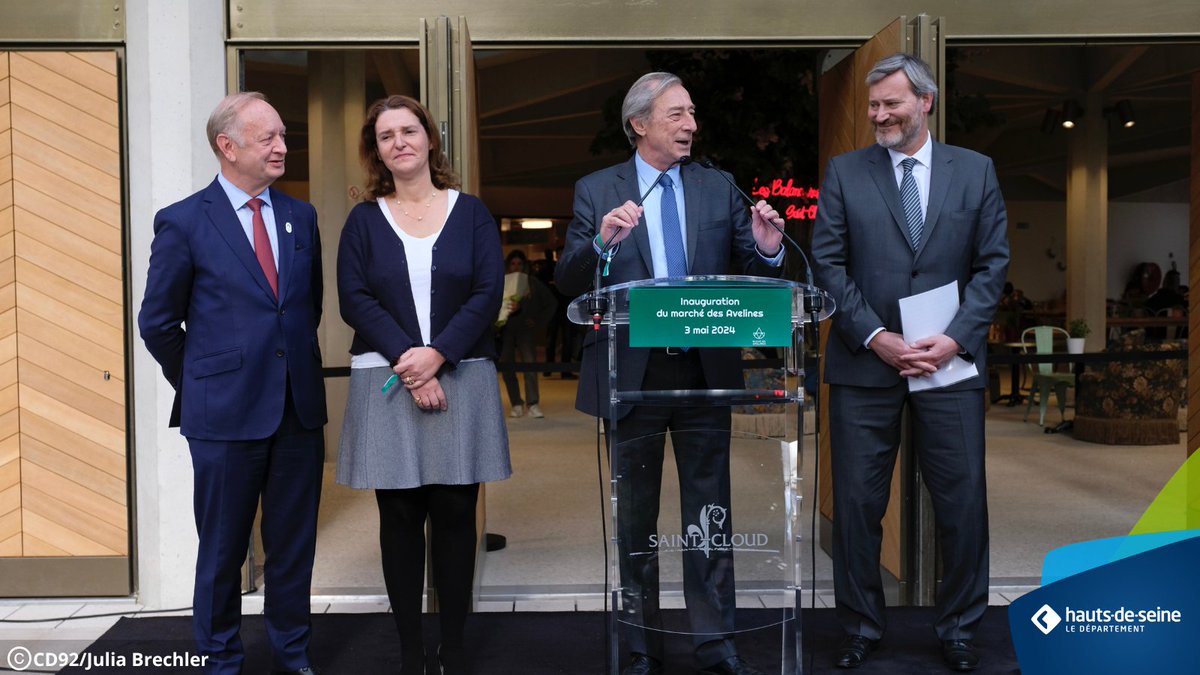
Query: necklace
(425,210)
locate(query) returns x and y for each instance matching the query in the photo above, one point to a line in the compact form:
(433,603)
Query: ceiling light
(1071,113)
(539,224)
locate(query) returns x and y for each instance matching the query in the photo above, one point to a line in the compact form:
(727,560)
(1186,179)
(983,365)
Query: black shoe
(640,664)
(959,655)
(853,651)
(734,665)
(452,661)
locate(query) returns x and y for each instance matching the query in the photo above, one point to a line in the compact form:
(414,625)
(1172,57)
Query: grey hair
(640,100)
(225,118)
(920,75)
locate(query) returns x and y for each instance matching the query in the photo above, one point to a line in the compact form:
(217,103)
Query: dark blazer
(468,281)
(863,257)
(719,241)
(210,319)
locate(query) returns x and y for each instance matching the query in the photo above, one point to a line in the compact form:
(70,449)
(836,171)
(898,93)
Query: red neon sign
(804,199)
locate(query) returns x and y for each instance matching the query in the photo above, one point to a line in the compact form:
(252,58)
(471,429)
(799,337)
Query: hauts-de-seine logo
(1046,619)
(708,534)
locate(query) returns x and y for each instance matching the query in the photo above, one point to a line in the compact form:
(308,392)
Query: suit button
(433,268)
(279,352)
(282,311)
(914,275)
(432,291)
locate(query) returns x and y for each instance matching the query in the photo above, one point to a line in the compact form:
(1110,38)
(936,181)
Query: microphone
(812,301)
(598,306)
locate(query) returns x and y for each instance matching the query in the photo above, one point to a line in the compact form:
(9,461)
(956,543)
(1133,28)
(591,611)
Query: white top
(419,253)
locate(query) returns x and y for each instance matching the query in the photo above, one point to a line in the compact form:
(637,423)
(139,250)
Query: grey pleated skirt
(389,443)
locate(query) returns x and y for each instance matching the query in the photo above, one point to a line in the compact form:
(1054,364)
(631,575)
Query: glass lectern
(695,570)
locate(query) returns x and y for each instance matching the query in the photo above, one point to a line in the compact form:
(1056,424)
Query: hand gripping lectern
(706,537)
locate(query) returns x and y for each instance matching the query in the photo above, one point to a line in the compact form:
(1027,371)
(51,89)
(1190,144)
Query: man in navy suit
(901,217)
(233,299)
(693,224)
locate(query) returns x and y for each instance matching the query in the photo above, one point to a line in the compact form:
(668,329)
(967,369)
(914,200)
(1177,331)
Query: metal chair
(1044,377)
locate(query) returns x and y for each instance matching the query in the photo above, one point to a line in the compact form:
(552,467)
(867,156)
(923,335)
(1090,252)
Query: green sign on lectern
(705,316)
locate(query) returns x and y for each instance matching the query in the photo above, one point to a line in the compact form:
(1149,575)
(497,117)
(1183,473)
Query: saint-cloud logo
(707,535)
(1046,619)
(708,514)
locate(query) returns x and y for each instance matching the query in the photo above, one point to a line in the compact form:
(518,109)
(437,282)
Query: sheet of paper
(930,313)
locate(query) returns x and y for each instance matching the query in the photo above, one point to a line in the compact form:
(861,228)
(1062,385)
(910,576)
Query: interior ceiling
(540,109)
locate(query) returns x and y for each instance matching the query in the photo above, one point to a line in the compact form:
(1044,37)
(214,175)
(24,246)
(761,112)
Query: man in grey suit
(901,217)
(692,222)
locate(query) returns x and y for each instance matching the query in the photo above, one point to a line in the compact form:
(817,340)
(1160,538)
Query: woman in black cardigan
(420,279)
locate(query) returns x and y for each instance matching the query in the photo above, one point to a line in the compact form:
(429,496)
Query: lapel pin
(287,227)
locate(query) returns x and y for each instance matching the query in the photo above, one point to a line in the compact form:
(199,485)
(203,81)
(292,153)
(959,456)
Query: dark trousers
(451,513)
(947,432)
(518,340)
(285,471)
(700,439)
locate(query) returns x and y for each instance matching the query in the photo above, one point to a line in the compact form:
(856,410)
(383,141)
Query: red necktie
(262,245)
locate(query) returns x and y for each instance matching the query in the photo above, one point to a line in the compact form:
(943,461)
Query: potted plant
(1077,329)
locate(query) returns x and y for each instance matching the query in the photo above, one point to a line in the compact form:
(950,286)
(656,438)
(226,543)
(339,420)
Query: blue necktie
(672,238)
(911,198)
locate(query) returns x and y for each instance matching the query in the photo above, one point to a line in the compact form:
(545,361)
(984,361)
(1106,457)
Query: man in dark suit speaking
(901,217)
(233,299)
(692,222)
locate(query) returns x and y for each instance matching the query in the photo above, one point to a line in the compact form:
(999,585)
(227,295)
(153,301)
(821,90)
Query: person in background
(232,304)
(530,306)
(420,277)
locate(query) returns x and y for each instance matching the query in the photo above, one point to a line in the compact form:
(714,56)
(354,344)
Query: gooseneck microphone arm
(812,300)
(598,306)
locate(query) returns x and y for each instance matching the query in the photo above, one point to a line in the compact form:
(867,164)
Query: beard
(898,136)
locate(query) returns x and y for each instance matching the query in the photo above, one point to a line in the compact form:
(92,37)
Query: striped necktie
(910,196)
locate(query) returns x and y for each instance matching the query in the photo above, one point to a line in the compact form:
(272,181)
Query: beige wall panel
(8,347)
(56,173)
(8,372)
(9,423)
(23,67)
(10,449)
(68,242)
(49,258)
(10,474)
(8,399)
(102,434)
(69,65)
(105,60)
(67,368)
(95,305)
(11,547)
(72,391)
(8,270)
(10,533)
(10,500)
(3,66)
(38,548)
(59,488)
(8,320)
(83,449)
(52,459)
(62,113)
(46,207)
(84,349)
(67,528)
(80,147)
(8,296)
(103,334)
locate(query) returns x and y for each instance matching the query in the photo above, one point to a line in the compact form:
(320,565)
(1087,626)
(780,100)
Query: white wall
(1137,232)
(176,74)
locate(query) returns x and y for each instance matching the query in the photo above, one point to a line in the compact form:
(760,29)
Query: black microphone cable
(813,304)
